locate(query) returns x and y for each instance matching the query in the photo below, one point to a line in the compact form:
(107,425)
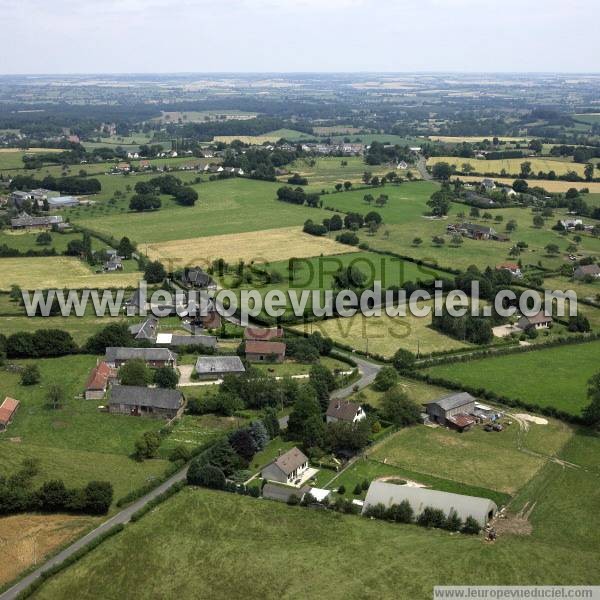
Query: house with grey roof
(288,468)
(215,367)
(172,339)
(25,221)
(537,321)
(583,271)
(380,492)
(344,411)
(197,278)
(145,330)
(141,401)
(153,357)
(283,493)
(454,410)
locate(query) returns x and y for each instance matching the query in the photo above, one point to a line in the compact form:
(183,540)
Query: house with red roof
(7,411)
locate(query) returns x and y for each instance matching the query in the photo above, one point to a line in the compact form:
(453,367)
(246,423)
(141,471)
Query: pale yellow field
(474,139)
(384,335)
(30,150)
(258,246)
(58,272)
(547,184)
(512,166)
(256,140)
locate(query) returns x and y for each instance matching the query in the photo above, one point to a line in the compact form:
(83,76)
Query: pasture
(11,158)
(347,556)
(224,207)
(253,246)
(566,370)
(511,166)
(485,459)
(383,335)
(26,240)
(59,272)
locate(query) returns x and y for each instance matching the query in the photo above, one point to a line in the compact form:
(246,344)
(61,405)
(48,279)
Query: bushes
(348,237)
(386,379)
(206,475)
(41,343)
(30,375)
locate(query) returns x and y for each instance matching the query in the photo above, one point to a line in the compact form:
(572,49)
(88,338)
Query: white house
(288,468)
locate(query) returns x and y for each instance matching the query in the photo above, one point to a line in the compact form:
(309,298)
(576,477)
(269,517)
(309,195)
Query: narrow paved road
(120,518)
(422,168)
(368,371)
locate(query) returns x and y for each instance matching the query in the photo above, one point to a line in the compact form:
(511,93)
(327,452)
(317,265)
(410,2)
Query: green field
(75,442)
(563,385)
(477,457)
(13,159)
(228,206)
(24,241)
(346,556)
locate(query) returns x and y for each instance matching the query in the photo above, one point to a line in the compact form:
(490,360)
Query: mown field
(59,272)
(554,185)
(563,373)
(270,137)
(251,247)
(383,335)
(224,207)
(474,139)
(346,556)
(512,166)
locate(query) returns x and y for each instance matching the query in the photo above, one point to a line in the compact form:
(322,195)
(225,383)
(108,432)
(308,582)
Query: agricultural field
(490,460)
(474,139)
(512,166)
(383,335)
(345,554)
(550,185)
(251,247)
(26,240)
(11,158)
(224,207)
(267,138)
(326,172)
(59,272)
(588,118)
(203,116)
(563,386)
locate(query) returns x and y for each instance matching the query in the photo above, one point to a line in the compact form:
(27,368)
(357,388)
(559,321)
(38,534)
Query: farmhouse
(25,221)
(113,264)
(569,224)
(290,468)
(153,357)
(583,271)
(197,278)
(478,232)
(261,351)
(171,339)
(260,333)
(142,401)
(488,184)
(481,509)
(215,367)
(344,411)
(454,410)
(98,381)
(512,268)
(537,321)
(7,410)
(146,330)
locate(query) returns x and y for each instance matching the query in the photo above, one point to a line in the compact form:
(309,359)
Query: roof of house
(260,333)
(134,395)
(419,498)
(219,364)
(121,353)
(344,410)
(25,220)
(7,409)
(475,227)
(198,277)
(452,401)
(282,493)
(170,339)
(98,379)
(537,318)
(264,347)
(290,461)
(588,269)
(146,330)
(461,420)
(508,266)
(63,201)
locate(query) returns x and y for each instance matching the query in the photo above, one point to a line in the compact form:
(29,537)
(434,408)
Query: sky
(166,36)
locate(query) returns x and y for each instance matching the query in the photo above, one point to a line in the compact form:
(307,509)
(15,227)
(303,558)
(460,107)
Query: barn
(454,410)
(481,509)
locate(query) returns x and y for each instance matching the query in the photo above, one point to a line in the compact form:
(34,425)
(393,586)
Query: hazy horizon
(306,36)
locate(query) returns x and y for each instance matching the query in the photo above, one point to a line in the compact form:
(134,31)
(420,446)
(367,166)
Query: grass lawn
(59,272)
(383,335)
(566,370)
(229,206)
(346,556)
(485,459)
(291,367)
(271,451)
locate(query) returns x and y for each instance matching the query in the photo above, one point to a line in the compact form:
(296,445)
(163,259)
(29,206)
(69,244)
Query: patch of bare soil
(506,523)
(25,540)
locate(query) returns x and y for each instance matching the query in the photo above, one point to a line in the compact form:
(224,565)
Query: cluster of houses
(41,197)
(25,221)
(575,224)
(476,232)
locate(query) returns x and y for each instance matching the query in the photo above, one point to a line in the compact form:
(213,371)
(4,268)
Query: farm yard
(566,369)
(251,247)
